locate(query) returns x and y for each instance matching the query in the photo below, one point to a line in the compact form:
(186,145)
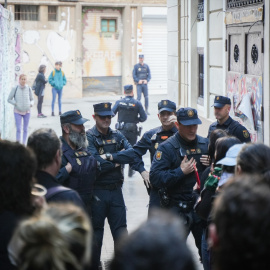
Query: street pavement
(134,191)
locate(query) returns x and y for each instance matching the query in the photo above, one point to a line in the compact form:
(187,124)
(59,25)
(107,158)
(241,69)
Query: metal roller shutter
(154,36)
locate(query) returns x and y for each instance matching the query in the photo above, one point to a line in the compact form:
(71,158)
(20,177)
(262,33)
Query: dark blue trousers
(110,205)
(143,88)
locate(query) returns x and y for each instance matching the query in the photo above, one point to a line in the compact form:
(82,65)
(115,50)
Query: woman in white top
(21,96)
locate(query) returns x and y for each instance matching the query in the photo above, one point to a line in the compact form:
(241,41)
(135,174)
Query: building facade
(221,47)
(98,42)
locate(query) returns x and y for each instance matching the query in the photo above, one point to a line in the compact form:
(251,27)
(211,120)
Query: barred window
(52,13)
(26,13)
(108,25)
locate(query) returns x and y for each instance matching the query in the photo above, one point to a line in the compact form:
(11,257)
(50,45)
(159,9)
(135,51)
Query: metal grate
(52,13)
(242,3)
(26,13)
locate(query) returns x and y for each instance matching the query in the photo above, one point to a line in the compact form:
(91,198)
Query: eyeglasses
(103,117)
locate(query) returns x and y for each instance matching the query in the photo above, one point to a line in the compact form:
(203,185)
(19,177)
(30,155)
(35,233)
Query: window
(52,13)
(108,25)
(201,75)
(26,13)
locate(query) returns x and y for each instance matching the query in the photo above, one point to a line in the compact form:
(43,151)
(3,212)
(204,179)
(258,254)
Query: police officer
(130,113)
(141,76)
(222,106)
(79,168)
(150,141)
(173,170)
(111,149)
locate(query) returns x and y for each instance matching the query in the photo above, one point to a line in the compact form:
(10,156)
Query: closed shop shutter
(154,47)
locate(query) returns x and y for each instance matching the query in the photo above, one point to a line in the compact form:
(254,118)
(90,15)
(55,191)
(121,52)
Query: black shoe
(52,113)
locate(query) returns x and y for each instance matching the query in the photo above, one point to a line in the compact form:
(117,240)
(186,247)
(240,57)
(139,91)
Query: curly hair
(57,238)
(241,216)
(18,167)
(45,143)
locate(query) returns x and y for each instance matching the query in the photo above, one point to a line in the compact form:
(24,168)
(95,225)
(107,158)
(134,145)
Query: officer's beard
(78,139)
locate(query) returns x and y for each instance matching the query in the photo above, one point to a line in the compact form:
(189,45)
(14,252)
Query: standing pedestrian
(222,107)
(79,168)
(130,113)
(111,149)
(57,80)
(141,76)
(177,167)
(40,87)
(21,96)
(150,141)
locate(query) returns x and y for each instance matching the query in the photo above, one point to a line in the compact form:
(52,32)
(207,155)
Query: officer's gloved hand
(145,176)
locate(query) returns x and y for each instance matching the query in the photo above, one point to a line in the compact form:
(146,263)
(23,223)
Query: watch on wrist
(108,156)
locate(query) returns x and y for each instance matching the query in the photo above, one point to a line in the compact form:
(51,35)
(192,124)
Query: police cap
(141,56)
(221,101)
(103,109)
(188,117)
(128,88)
(72,117)
(166,105)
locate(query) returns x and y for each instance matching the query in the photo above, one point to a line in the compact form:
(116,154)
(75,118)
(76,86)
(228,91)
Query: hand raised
(187,165)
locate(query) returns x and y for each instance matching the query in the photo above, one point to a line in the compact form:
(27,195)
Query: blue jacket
(58,80)
(141,72)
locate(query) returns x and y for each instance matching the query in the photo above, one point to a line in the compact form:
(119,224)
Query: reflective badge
(193,151)
(103,141)
(217,98)
(190,113)
(78,161)
(245,133)
(106,105)
(76,154)
(165,102)
(101,151)
(113,141)
(156,145)
(188,152)
(139,69)
(199,151)
(158,155)
(164,137)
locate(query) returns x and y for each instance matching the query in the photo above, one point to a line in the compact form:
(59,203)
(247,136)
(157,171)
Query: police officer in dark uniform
(176,168)
(111,149)
(222,106)
(79,168)
(130,113)
(150,141)
(141,76)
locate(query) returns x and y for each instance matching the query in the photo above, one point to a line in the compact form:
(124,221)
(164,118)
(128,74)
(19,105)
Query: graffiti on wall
(139,38)
(7,66)
(245,92)
(18,56)
(101,50)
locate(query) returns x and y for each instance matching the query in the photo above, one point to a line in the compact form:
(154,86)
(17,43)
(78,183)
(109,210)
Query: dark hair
(58,63)
(214,135)
(254,158)
(18,167)
(45,143)
(241,215)
(41,68)
(223,145)
(158,244)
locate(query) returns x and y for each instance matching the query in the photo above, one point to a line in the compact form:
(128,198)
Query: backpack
(63,74)
(34,84)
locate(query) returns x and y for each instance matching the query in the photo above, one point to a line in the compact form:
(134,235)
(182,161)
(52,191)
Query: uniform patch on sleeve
(245,133)
(158,155)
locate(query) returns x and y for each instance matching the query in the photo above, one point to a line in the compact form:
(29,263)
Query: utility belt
(130,127)
(166,201)
(112,186)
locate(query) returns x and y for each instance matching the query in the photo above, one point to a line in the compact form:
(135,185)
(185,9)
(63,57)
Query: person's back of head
(158,244)
(240,233)
(254,158)
(58,238)
(46,145)
(18,167)
(215,134)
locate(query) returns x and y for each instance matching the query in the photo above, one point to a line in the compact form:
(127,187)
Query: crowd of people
(57,192)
